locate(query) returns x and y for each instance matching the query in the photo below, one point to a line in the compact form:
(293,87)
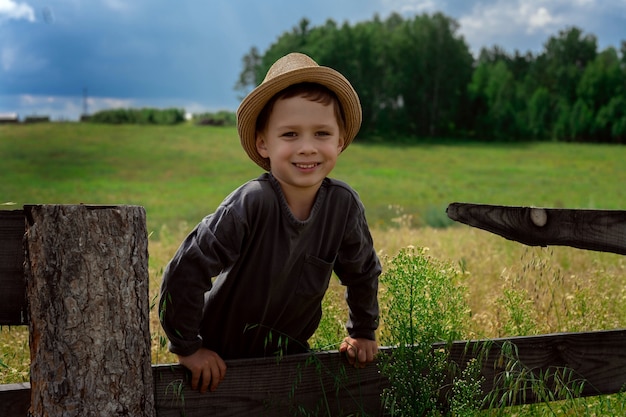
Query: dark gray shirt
(250,278)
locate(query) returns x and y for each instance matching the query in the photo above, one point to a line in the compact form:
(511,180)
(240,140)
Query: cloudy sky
(187,54)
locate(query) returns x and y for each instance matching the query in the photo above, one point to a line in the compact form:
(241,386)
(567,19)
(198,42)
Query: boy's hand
(204,365)
(359,351)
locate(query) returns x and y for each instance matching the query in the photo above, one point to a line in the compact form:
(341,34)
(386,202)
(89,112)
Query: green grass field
(179,174)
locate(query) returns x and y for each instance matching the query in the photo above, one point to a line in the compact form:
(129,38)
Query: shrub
(424,303)
(221,118)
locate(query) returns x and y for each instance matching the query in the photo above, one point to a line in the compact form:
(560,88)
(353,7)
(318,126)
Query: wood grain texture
(599,230)
(323,383)
(596,358)
(14,400)
(13,287)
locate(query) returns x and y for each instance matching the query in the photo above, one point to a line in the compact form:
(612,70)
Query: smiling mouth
(306,166)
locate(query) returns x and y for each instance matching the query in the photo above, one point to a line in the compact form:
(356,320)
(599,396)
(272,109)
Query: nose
(307,145)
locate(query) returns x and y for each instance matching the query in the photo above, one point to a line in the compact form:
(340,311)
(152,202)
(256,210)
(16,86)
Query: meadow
(179,174)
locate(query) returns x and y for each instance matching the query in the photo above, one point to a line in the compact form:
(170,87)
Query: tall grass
(181,173)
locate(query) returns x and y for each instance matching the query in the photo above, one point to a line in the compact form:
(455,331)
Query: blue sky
(187,54)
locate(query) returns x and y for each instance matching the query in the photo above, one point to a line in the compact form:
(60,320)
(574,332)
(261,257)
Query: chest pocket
(314,277)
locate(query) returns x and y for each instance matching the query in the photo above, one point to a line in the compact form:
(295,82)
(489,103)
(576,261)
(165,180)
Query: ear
(340,145)
(261,147)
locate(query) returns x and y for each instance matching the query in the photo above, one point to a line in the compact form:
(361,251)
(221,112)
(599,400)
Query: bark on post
(87,284)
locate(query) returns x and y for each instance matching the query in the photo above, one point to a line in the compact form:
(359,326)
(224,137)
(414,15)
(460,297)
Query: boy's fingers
(356,356)
(362,356)
(215,379)
(207,369)
(359,352)
(351,351)
(206,380)
(360,359)
(222,366)
(345,344)
(217,375)
(195,379)
(353,355)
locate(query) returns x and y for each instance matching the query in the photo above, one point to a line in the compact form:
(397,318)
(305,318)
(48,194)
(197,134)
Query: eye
(323,133)
(289,134)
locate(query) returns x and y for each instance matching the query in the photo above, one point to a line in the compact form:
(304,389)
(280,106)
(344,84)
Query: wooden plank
(323,384)
(599,230)
(14,400)
(597,358)
(13,294)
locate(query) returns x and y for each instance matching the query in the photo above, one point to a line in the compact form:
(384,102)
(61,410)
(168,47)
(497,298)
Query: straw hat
(292,69)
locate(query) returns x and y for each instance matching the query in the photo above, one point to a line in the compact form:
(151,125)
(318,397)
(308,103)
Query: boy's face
(302,140)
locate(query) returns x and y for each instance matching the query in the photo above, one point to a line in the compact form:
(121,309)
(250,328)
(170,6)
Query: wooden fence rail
(13,294)
(253,387)
(599,230)
(323,383)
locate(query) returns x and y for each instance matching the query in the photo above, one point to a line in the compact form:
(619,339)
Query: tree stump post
(87,283)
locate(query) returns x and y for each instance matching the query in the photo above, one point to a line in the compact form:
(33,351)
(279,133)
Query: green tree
(581,121)
(295,41)
(416,78)
(248,76)
(561,128)
(602,81)
(539,114)
(519,64)
(358,53)
(493,90)
(430,67)
(611,119)
(565,58)
(559,68)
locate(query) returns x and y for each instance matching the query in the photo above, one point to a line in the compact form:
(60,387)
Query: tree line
(154,116)
(417,78)
(144,116)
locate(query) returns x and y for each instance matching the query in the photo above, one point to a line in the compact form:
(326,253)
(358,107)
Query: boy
(273,243)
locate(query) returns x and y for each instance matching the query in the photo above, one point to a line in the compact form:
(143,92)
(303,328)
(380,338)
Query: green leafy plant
(466,391)
(424,303)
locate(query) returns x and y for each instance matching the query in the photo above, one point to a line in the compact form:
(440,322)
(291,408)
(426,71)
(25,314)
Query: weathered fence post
(87,279)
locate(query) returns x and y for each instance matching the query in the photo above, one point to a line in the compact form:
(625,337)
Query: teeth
(306,166)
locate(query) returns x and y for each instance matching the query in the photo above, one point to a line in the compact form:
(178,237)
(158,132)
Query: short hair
(310,91)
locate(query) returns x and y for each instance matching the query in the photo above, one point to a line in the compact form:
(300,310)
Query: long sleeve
(358,268)
(208,249)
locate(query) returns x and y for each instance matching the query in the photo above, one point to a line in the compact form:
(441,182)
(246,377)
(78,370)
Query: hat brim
(253,103)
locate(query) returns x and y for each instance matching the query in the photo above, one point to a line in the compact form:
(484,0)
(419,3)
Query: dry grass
(565,289)
(556,289)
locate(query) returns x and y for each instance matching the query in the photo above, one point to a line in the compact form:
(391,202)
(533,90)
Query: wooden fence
(322,383)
